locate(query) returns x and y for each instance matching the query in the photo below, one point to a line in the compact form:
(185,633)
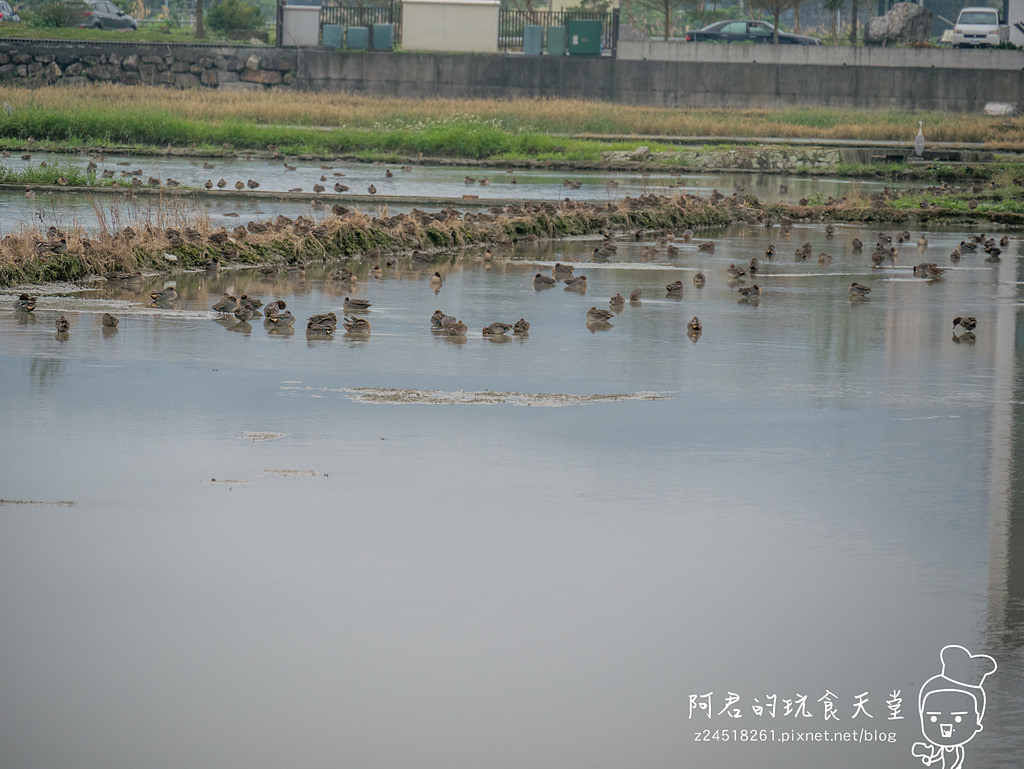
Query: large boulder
(904,23)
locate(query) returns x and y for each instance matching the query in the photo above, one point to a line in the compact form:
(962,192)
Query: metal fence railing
(353,16)
(511,23)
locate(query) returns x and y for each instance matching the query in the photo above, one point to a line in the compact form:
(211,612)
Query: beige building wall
(450,25)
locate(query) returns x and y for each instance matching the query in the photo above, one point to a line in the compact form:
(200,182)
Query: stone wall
(180,66)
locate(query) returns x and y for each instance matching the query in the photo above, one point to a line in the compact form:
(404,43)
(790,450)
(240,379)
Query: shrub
(58,13)
(228,15)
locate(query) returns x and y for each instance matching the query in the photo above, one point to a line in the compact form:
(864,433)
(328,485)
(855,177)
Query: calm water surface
(270,557)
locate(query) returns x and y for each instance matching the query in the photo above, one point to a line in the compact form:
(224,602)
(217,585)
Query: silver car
(7,13)
(103,14)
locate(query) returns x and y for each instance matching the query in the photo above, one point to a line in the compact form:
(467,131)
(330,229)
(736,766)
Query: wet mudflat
(407,549)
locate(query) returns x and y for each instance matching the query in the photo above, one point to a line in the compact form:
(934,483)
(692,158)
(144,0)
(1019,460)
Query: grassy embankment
(506,133)
(372,128)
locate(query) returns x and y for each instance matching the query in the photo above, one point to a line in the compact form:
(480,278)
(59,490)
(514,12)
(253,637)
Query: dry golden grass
(561,116)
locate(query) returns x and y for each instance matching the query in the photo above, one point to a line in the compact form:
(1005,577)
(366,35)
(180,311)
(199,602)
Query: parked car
(7,13)
(979,26)
(734,31)
(102,14)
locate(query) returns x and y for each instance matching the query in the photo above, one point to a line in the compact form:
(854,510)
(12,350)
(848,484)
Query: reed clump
(172,237)
(175,235)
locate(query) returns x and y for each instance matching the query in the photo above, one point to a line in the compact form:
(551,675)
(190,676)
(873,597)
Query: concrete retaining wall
(729,76)
(655,73)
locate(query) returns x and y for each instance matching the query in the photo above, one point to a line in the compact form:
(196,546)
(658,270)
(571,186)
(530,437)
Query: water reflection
(44,370)
(419,549)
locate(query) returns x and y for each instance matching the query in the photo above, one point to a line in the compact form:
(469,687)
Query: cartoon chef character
(951,706)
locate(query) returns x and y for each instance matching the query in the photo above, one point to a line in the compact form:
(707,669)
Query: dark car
(747,32)
(102,14)
(7,13)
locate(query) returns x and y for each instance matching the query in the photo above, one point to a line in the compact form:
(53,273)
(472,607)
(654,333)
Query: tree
(775,8)
(229,15)
(200,32)
(833,7)
(57,13)
(667,9)
(853,22)
(529,6)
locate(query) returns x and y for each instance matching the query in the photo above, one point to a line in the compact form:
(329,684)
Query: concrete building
(463,26)
(1015,15)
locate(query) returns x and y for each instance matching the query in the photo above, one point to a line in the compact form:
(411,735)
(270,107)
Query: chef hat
(962,667)
(960,670)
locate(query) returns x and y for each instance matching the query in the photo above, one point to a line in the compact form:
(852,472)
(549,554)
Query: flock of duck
(277,315)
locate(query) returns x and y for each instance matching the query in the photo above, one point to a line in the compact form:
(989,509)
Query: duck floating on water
(356,305)
(859,291)
(282,319)
(576,284)
(25,303)
(355,325)
(227,303)
(543,281)
(323,320)
(168,294)
(497,329)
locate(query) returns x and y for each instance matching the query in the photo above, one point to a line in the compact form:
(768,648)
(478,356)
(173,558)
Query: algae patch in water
(489,397)
(63,503)
(256,437)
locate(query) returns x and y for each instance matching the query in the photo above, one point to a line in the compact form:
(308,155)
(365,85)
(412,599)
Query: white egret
(919,141)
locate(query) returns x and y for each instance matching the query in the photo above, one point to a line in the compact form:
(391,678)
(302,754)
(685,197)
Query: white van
(979,26)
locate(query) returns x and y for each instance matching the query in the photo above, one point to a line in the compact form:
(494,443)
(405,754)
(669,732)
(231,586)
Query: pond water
(222,546)
(398,192)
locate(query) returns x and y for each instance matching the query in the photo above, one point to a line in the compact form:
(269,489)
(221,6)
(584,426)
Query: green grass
(148,33)
(73,177)
(140,127)
(148,119)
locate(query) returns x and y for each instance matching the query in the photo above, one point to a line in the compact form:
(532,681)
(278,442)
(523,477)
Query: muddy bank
(866,161)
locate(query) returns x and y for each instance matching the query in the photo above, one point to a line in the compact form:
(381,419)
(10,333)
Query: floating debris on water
(256,437)
(63,503)
(489,398)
